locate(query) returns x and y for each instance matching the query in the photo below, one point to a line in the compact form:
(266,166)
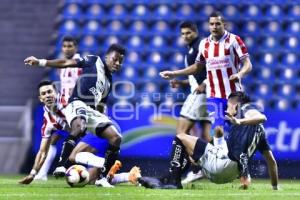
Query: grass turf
(58,189)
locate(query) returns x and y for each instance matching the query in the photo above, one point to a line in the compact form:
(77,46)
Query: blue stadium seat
(135,43)
(269,43)
(133,58)
(118,11)
(285,90)
(72,11)
(95,11)
(272,28)
(69,27)
(177,59)
(89,43)
(128,72)
(251,28)
(268,59)
(151,73)
(231,12)
(157,42)
(162,12)
(290,60)
(252,12)
(265,73)
(264,90)
(281,104)
(232,27)
(293,28)
(293,12)
(150,87)
(92,27)
(141,12)
(139,27)
(273,12)
(291,43)
(205,11)
(286,74)
(155,58)
(185,12)
(162,28)
(115,27)
(112,39)
(250,42)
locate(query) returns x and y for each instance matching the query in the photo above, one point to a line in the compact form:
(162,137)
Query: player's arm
(56,63)
(179,83)
(272,168)
(192,69)
(252,117)
(39,160)
(246,68)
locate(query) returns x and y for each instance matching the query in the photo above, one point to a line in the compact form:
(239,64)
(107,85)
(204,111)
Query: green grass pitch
(58,189)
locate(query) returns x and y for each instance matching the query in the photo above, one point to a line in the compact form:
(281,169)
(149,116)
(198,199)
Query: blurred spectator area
(150,32)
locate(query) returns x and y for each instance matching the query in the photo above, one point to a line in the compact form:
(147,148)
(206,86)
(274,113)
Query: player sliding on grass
(223,161)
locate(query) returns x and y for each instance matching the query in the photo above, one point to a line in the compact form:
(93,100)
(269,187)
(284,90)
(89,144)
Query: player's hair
(116,47)
(45,82)
(242,97)
(189,24)
(69,38)
(217,14)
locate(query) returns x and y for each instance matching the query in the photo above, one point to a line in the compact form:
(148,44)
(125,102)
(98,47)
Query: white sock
(219,141)
(89,159)
(43,172)
(120,178)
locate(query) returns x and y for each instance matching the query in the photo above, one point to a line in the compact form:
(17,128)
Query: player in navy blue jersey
(86,104)
(224,160)
(194,108)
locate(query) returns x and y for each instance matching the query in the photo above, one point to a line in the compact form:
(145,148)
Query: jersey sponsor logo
(80,111)
(219,62)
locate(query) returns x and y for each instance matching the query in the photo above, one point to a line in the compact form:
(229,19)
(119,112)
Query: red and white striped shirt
(68,78)
(54,120)
(222,58)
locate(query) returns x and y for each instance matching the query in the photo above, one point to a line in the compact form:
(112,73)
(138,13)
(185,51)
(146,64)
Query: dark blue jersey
(246,138)
(190,58)
(94,84)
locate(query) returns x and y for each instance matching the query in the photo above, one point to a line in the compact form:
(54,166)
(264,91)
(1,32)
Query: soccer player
(54,120)
(223,161)
(194,107)
(227,61)
(68,77)
(91,90)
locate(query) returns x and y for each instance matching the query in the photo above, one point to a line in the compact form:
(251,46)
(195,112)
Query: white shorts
(217,166)
(194,107)
(93,118)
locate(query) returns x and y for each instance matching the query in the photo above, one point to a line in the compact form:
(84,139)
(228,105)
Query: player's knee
(181,136)
(116,139)
(78,126)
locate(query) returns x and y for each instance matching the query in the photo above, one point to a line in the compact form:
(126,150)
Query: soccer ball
(77,176)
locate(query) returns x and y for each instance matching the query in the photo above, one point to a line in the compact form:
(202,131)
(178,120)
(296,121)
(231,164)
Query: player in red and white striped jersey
(227,61)
(54,120)
(69,76)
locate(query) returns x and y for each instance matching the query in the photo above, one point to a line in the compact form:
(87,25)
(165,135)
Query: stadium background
(149,30)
